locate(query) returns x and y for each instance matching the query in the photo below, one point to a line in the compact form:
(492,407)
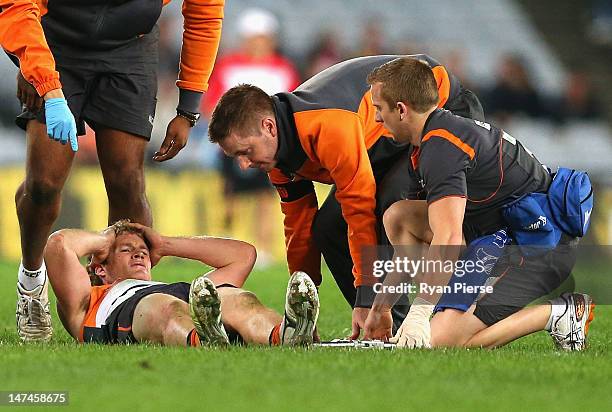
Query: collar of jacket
(290,155)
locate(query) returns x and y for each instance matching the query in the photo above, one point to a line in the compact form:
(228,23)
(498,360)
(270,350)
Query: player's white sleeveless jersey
(118,294)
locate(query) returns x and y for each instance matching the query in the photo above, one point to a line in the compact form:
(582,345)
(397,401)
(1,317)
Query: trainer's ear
(269,125)
(402,109)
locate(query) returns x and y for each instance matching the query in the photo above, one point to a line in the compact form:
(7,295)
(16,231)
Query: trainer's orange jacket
(327,133)
(100,24)
(22,35)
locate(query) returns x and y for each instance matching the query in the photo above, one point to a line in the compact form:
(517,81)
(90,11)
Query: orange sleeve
(299,206)
(201,36)
(22,35)
(337,139)
(443,82)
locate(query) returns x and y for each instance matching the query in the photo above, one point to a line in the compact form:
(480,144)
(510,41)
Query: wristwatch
(191,117)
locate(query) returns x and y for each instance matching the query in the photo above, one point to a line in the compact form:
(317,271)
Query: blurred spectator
(578,101)
(513,92)
(372,39)
(325,52)
(601,24)
(256,62)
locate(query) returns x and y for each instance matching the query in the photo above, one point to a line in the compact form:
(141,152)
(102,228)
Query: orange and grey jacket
(106,24)
(327,133)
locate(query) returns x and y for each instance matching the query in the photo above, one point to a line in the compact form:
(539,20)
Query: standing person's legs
(121,157)
(38,198)
(121,110)
(38,201)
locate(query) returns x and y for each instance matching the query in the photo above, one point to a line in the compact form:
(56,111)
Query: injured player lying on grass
(119,303)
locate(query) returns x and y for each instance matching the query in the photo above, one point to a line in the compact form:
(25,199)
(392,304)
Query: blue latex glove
(60,122)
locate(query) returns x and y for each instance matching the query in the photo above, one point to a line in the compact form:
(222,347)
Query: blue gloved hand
(60,122)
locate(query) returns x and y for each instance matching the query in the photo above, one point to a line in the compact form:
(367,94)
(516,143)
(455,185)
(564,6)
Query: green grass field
(528,374)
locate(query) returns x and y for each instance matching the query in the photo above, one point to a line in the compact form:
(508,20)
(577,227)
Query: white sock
(558,307)
(31,279)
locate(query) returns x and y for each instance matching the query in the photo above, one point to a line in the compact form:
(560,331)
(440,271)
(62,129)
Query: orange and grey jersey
(104,300)
(475,160)
(327,133)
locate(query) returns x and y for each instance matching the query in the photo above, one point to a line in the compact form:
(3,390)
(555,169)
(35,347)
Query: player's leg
(38,201)
(243,313)
(121,157)
(164,319)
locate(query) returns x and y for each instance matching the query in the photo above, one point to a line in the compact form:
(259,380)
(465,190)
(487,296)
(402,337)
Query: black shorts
(522,280)
(114,89)
(118,327)
(482,223)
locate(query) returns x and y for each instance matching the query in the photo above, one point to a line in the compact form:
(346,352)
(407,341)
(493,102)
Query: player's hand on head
(102,254)
(154,239)
(358,322)
(27,94)
(176,138)
(378,325)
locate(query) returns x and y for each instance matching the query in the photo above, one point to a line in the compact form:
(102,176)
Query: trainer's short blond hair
(406,80)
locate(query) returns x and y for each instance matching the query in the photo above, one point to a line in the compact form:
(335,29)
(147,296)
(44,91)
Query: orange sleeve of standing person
(201,36)
(21,34)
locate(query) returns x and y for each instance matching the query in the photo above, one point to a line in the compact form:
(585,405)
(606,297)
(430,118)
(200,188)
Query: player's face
(389,116)
(128,259)
(254,150)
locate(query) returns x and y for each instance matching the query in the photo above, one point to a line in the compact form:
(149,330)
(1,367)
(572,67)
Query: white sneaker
(33,316)
(569,330)
(205,310)
(301,311)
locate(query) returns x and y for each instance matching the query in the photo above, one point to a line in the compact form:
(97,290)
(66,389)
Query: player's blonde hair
(120,227)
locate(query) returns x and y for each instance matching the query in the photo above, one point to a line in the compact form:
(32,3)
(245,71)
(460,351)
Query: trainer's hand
(378,325)
(359,317)
(27,94)
(155,240)
(415,331)
(61,126)
(177,134)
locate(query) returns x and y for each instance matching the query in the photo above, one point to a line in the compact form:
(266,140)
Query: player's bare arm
(68,277)
(233,259)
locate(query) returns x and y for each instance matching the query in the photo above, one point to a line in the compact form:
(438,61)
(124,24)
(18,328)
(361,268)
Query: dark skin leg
(38,198)
(121,157)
